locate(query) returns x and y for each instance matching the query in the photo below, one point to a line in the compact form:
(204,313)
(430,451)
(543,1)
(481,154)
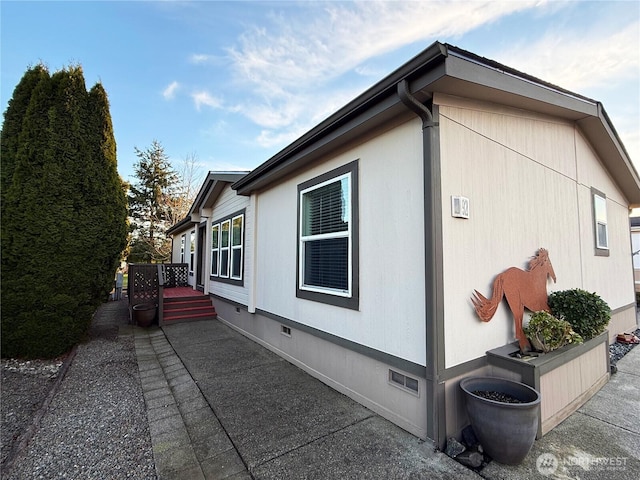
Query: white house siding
(175,247)
(227,204)
(528,178)
(391,316)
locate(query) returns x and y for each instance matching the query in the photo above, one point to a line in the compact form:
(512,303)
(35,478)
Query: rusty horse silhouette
(522,289)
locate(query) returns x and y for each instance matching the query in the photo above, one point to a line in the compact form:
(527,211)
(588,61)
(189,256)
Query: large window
(600,229)
(227,248)
(327,239)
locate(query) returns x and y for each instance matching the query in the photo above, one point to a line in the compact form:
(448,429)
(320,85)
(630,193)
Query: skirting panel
(396,395)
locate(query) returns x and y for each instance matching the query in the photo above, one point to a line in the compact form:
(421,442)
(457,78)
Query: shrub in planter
(547,333)
(587,313)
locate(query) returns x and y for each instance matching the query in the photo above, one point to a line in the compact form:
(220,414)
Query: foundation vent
(286,331)
(397,379)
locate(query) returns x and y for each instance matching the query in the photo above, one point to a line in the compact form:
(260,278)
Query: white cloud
(198,58)
(170,92)
(224,166)
(203,97)
(289,65)
(580,60)
(205,59)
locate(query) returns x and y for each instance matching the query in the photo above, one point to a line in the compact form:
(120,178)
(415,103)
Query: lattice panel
(176,275)
(143,280)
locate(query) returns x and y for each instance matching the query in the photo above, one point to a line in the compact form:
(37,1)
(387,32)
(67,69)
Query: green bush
(63,210)
(547,333)
(587,313)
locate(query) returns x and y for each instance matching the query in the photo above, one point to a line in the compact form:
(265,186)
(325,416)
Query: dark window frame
(599,251)
(353,301)
(229,218)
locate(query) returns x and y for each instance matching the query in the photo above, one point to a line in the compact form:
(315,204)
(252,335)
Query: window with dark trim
(227,249)
(328,238)
(600,227)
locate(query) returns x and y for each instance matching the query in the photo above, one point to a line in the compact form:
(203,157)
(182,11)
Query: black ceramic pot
(506,431)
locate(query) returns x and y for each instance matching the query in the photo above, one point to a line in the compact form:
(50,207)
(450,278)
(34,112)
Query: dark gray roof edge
(210,179)
(425,61)
(487,62)
(186,221)
(607,120)
(421,61)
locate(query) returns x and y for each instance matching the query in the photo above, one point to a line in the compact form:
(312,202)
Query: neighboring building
(353,253)
(635,248)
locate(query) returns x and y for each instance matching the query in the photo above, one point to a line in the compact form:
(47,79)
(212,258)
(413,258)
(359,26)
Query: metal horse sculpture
(523,289)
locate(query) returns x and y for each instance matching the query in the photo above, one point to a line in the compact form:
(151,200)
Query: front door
(200,266)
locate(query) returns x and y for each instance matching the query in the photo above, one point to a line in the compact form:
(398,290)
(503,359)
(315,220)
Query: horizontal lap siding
(227,204)
(391,248)
(520,172)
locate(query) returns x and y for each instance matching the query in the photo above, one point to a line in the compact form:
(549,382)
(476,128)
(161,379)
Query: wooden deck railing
(143,283)
(147,282)
(170,275)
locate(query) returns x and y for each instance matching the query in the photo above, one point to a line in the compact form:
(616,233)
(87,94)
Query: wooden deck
(180,292)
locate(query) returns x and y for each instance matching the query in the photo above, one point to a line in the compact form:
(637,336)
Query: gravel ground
(619,350)
(90,419)
(95,424)
(25,386)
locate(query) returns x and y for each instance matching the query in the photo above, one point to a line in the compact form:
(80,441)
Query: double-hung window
(192,251)
(237,235)
(224,249)
(227,248)
(328,238)
(600,229)
(215,249)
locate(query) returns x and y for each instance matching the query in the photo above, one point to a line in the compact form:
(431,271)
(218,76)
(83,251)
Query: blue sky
(232,83)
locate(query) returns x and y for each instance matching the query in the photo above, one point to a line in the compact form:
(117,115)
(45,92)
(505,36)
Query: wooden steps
(186,309)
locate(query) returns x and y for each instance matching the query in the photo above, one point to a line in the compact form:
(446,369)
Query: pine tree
(63,222)
(150,201)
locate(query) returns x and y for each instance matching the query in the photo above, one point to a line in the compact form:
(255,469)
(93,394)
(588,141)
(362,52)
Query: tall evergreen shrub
(64,213)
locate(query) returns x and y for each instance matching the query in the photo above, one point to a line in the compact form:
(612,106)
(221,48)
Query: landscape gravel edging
(24,439)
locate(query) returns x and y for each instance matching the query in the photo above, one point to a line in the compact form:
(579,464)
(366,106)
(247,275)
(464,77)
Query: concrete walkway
(222,406)
(188,440)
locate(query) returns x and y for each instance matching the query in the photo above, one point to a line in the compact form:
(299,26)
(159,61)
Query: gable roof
(451,70)
(210,190)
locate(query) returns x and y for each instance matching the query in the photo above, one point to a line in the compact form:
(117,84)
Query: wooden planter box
(566,378)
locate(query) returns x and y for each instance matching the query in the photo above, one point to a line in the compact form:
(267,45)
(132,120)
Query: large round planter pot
(506,431)
(144,314)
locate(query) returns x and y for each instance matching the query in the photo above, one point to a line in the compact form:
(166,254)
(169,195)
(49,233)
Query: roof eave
(378,92)
(607,144)
(447,69)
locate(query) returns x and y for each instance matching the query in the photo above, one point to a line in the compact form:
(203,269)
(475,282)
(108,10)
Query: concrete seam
(321,437)
(608,423)
(213,410)
(153,343)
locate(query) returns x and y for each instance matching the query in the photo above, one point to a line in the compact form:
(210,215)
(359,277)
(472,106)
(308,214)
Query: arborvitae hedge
(63,212)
